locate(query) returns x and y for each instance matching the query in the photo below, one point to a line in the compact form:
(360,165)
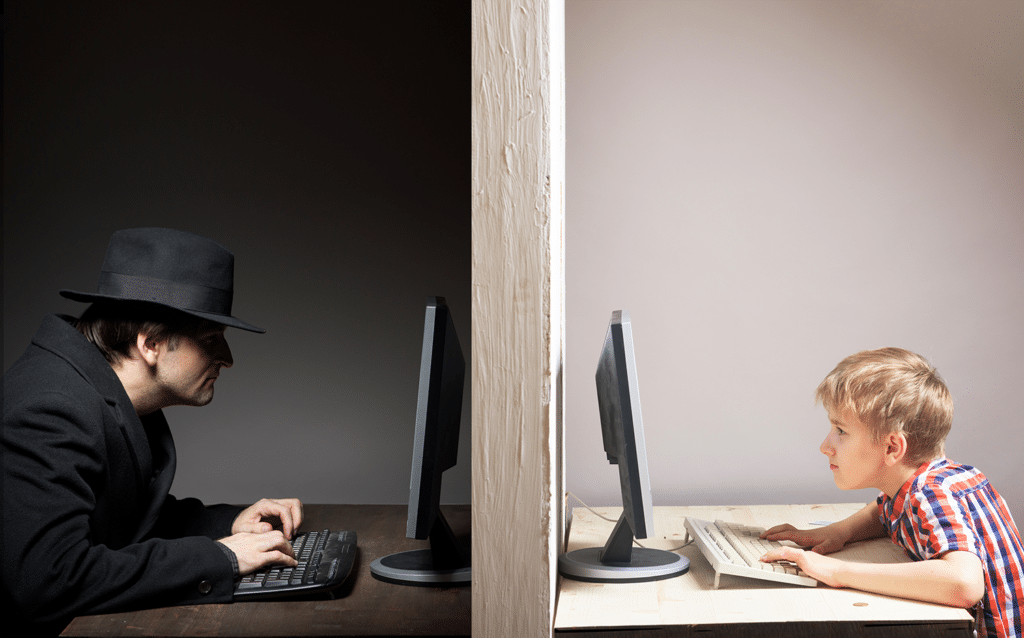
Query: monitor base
(645,565)
(417,568)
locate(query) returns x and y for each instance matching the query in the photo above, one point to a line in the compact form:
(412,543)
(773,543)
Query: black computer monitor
(435,449)
(622,430)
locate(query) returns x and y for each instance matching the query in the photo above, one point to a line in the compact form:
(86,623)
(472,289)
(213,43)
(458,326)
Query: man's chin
(200,400)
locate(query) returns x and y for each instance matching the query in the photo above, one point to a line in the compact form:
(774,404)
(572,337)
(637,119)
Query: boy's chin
(842,485)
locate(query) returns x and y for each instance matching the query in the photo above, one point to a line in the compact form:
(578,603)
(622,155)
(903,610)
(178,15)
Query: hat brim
(226,320)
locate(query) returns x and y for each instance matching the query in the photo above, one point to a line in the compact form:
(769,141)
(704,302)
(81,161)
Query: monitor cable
(687,540)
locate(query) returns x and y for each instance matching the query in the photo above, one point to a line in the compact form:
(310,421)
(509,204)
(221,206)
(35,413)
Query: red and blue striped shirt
(947,507)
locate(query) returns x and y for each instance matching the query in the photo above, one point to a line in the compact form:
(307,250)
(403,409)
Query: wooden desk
(690,606)
(367,606)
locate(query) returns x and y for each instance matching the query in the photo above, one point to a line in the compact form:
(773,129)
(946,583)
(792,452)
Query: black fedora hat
(171,268)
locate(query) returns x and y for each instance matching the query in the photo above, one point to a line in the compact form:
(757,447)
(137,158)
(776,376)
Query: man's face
(855,458)
(187,371)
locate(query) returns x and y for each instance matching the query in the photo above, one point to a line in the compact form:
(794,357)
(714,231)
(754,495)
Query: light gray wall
(770,186)
(326,144)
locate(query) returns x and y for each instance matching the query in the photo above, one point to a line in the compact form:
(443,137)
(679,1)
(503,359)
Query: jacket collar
(57,336)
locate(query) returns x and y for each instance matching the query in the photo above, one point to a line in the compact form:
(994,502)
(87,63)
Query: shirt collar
(899,501)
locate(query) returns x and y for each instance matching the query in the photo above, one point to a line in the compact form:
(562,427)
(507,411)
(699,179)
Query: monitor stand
(445,564)
(619,562)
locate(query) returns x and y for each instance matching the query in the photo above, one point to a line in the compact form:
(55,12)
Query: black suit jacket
(88,522)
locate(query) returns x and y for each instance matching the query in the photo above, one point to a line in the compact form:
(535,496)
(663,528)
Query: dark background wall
(325,143)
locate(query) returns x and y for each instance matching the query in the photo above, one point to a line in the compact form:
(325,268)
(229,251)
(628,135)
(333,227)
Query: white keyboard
(733,548)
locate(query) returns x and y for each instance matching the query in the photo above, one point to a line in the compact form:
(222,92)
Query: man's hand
(824,540)
(284,514)
(254,551)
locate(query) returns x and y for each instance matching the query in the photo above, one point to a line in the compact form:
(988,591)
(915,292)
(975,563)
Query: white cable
(687,540)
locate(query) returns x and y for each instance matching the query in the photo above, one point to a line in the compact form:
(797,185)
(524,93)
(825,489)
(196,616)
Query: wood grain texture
(518,321)
(692,601)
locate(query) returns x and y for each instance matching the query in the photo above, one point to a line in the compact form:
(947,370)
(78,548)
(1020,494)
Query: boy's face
(855,458)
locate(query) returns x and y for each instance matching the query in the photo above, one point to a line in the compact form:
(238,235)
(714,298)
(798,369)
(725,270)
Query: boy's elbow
(969,585)
(967,596)
(972,592)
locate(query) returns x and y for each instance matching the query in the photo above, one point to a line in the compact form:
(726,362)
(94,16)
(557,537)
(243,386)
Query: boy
(890,413)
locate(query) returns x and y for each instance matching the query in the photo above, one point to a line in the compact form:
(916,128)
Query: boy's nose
(825,448)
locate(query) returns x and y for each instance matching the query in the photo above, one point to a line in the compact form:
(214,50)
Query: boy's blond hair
(893,390)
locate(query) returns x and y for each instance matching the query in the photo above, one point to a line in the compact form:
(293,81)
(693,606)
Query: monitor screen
(622,431)
(435,449)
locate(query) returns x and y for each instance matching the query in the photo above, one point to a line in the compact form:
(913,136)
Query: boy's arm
(863,525)
(954,578)
(832,538)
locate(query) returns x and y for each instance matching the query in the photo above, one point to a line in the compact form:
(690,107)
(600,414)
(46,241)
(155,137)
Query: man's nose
(225,355)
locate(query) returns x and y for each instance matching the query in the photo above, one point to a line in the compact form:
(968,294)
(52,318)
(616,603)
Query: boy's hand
(824,540)
(955,578)
(818,567)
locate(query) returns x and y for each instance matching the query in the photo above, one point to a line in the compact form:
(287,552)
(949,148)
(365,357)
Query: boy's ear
(895,448)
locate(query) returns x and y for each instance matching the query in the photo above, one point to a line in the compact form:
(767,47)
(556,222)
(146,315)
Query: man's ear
(895,448)
(148,347)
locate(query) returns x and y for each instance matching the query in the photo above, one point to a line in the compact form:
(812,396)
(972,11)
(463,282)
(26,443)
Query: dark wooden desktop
(366,606)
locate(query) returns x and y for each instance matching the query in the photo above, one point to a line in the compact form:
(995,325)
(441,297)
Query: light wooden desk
(689,605)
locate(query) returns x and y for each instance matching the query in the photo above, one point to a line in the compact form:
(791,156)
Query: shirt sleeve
(942,524)
(231,557)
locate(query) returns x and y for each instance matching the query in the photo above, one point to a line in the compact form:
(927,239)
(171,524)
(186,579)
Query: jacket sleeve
(189,517)
(55,460)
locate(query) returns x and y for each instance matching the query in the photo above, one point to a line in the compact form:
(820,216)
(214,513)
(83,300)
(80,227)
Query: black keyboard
(325,560)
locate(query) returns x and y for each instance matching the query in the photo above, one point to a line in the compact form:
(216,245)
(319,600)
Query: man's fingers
(268,513)
(280,558)
(255,551)
(290,514)
(277,541)
(287,511)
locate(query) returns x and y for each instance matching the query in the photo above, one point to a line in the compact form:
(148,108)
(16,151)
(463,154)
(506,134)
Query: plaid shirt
(946,507)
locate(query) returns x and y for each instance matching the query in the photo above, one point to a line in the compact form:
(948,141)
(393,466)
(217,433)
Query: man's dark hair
(112,326)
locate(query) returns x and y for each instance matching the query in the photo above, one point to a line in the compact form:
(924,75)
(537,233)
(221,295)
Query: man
(89,525)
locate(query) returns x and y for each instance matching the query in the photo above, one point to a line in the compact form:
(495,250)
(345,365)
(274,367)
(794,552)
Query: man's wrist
(231,557)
